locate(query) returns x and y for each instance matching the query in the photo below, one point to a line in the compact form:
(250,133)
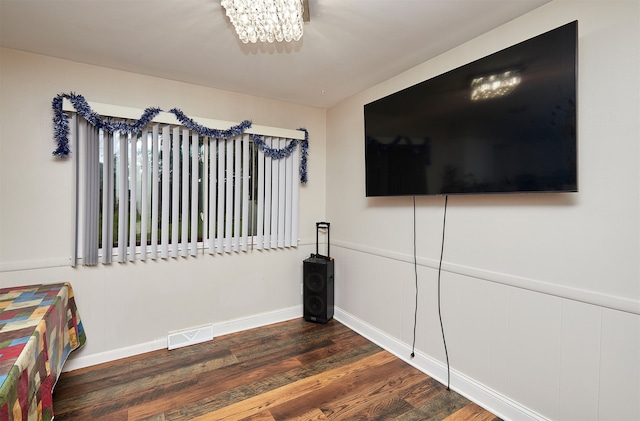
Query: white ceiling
(348,46)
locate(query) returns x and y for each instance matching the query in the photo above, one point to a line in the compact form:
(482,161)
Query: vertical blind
(168,192)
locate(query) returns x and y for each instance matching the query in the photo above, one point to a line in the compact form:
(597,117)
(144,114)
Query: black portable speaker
(318,289)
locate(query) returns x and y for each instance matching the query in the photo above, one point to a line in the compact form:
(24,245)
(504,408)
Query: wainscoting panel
(520,353)
(486,397)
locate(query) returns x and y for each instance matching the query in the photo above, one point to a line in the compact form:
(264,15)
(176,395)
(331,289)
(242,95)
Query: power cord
(415,271)
(444,341)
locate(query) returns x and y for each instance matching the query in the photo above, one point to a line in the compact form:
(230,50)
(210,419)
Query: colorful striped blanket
(39,327)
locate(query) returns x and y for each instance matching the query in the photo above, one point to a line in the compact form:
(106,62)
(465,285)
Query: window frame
(164,118)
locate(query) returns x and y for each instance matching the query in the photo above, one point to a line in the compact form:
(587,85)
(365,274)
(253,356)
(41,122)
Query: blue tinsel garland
(303,156)
(205,131)
(61,129)
(286,151)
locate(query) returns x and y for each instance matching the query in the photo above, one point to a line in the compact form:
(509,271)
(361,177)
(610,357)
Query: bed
(39,327)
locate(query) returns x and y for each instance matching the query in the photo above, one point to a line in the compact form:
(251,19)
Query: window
(168,191)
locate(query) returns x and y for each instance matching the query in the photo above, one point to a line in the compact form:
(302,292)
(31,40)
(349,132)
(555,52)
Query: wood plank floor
(292,370)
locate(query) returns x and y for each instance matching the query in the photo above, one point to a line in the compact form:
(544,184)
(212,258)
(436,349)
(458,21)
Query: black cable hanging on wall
(415,270)
(444,341)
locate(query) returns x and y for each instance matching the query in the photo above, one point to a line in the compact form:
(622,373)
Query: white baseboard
(258,320)
(493,401)
(489,399)
(219,329)
(82,361)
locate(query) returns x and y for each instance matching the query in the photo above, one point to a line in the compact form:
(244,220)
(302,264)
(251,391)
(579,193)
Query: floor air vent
(188,337)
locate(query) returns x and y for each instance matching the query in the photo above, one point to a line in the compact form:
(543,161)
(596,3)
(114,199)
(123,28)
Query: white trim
(75,363)
(493,401)
(36,264)
(613,302)
(489,399)
(257,320)
(219,329)
(67,262)
(169,118)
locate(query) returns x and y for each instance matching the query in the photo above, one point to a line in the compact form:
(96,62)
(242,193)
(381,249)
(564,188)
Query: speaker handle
(327,226)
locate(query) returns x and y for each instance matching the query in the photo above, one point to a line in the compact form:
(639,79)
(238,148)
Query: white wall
(540,292)
(126,308)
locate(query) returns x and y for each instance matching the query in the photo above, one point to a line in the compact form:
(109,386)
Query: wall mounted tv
(505,123)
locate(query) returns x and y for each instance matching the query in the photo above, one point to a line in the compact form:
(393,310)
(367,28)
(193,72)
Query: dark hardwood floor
(292,370)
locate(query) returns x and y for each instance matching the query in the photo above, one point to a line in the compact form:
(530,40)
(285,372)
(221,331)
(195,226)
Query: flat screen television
(505,123)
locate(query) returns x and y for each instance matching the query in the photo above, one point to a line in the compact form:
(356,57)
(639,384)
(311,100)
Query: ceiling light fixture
(266,20)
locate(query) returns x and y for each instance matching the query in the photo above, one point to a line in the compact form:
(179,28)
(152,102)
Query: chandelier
(266,20)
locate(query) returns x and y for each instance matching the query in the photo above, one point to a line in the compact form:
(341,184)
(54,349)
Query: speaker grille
(315,282)
(315,305)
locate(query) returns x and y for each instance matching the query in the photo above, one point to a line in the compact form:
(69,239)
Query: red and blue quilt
(39,327)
